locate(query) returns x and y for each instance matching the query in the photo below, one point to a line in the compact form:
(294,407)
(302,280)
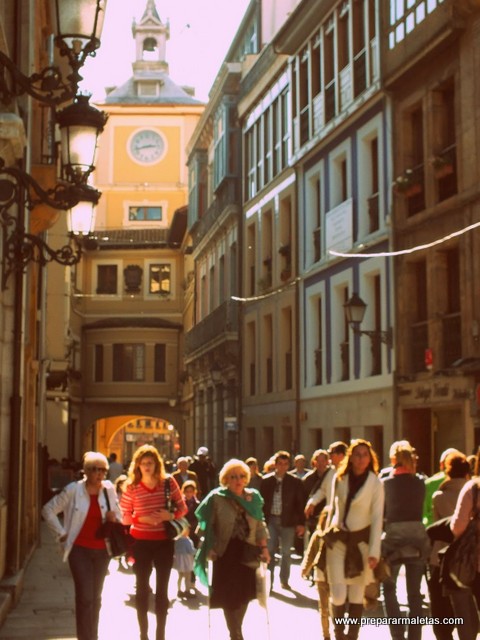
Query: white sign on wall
(339,227)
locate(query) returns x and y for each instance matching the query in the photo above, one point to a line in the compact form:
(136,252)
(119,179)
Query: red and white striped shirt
(138,500)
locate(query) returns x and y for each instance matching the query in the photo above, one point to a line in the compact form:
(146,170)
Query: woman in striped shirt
(144,507)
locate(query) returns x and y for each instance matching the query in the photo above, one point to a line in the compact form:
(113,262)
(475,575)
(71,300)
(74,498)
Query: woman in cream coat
(353,541)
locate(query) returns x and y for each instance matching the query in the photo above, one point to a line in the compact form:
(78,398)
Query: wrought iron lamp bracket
(20,247)
(381,336)
(47,86)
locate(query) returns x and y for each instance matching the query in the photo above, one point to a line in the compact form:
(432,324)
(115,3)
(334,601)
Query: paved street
(45,611)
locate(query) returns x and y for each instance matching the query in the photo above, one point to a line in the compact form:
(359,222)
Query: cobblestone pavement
(46,608)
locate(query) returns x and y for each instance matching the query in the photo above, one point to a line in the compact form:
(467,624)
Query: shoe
(181,594)
(285,586)
(189,595)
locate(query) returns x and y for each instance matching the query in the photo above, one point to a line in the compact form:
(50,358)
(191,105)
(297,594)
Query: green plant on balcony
(407,183)
(443,163)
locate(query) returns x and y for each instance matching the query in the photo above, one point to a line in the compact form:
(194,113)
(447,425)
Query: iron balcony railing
(223,320)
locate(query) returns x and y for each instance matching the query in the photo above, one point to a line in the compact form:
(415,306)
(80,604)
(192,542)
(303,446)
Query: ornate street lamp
(19,246)
(80,125)
(355,312)
(77,29)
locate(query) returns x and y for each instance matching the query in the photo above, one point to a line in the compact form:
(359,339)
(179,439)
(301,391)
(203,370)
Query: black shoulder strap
(105,493)
(168,500)
(475,500)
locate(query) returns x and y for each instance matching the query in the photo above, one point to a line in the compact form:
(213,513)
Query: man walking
(284,502)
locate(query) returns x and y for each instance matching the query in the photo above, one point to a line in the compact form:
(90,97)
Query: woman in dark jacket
(457,471)
(405,541)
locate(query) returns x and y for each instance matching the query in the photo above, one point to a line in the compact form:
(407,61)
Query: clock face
(147,146)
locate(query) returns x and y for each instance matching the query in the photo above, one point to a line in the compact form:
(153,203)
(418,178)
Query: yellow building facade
(127,294)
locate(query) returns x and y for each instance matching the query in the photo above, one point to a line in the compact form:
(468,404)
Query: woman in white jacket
(353,541)
(84,508)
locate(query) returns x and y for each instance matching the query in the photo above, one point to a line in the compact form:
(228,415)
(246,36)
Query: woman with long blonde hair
(144,506)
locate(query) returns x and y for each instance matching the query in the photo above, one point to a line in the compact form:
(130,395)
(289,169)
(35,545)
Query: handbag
(458,561)
(250,555)
(174,528)
(440,530)
(119,541)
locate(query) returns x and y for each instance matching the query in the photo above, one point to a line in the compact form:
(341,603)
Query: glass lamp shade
(80,125)
(355,309)
(81,217)
(78,25)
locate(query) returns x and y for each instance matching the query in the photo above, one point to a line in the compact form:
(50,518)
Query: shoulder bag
(119,541)
(174,528)
(458,561)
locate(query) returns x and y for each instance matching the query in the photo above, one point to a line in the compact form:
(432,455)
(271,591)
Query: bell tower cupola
(151,36)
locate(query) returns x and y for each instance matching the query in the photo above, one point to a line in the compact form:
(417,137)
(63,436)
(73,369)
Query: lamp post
(354,310)
(77,26)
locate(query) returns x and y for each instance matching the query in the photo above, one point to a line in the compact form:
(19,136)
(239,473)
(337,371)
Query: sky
(201,32)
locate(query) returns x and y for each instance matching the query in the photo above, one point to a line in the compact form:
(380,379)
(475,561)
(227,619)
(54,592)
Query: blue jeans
(89,568)
(283,537)
(150,554)
(414,571)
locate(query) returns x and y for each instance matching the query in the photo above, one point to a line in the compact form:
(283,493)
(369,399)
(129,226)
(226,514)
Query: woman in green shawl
(235,539)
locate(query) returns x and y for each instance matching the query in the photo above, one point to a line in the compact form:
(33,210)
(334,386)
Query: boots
(161,622)
(234,620)
(142,618)
(354,611)
(338,611)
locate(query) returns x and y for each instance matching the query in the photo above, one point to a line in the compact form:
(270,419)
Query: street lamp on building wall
(355,309)
(80,125)
(77,26)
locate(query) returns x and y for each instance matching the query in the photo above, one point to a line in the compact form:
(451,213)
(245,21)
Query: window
(319,349)
(267,140)
(198,187)
(406,15)
(98,363)
(225,142)
(128,362)
(160,367)
(337,65)
(159,279)
(144,214)
(373,200)
(107,278)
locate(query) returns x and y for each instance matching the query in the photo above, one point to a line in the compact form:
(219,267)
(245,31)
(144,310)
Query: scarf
(253,506)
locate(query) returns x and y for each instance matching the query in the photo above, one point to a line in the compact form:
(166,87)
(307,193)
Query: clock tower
(129,286)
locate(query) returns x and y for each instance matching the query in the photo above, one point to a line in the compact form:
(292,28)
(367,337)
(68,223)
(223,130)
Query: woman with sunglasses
(144,506)
(235,539)
(84,507)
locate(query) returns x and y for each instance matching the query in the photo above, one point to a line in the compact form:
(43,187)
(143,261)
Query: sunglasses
(98,470)
(241,476)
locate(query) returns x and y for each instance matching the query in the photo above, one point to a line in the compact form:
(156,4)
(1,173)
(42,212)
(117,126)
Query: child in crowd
(183,563)
(189,490)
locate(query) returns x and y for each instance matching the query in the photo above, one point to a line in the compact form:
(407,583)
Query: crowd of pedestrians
(355,525)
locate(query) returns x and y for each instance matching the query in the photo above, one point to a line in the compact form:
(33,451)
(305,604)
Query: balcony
(228,195)
(216,327)
(416,34)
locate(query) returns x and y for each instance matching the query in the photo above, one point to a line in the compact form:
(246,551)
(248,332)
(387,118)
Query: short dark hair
(281,455)
(338,447)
